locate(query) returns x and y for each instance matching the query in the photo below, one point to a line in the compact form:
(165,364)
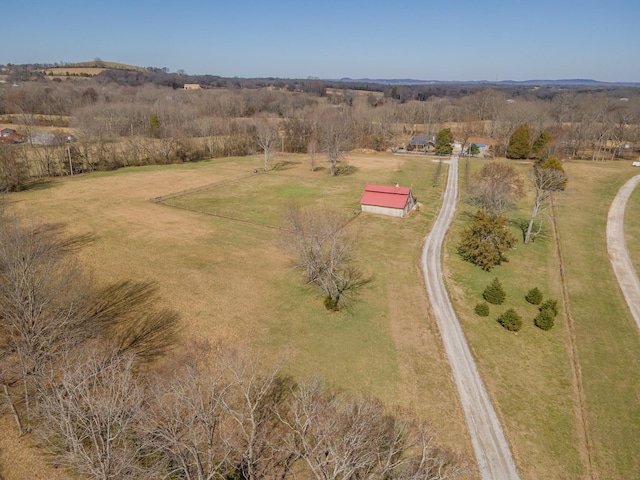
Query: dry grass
(232,281)
(528,374)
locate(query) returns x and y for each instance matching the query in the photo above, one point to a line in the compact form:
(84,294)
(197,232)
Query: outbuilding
(395,201)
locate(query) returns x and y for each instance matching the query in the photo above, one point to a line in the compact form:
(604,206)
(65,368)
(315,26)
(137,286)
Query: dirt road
(490,445)
(617,248)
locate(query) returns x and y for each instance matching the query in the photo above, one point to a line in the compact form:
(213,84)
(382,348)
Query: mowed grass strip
(607,338)
(233,282)
(632,228)
(526,373)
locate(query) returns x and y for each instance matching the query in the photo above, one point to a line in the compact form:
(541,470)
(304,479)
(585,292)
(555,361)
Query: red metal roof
(385,196)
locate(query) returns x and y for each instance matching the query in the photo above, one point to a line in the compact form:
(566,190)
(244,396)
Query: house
(387,200)
(422,144)
(9,135)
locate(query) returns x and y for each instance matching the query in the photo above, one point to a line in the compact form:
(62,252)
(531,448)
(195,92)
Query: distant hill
(106,65)
(410,81)
(88,69)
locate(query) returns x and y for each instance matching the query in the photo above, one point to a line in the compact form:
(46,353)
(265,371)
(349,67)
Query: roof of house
(419,140)
(385,196)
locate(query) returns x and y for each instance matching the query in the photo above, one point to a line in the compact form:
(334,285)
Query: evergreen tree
(444,139)
(510,320)
(494,293)
(541,144)
(554,164)
(485,242)
(474,149)
(534,296)
(520,143)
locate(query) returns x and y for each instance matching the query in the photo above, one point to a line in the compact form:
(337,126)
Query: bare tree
(323,246)
(214,417)
(267,136)
(341,437)
(185,419)
(255,394)
(548,177)
(89,415)
(335,137)
(495,188)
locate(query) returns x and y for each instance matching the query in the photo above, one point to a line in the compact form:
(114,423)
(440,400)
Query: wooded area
(122,118)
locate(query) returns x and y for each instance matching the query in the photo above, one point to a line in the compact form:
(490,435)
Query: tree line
(118,124)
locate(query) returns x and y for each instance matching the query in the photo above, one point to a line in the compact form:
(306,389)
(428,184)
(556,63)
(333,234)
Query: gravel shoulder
(491,448)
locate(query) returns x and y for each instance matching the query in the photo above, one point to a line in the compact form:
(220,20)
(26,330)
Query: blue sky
(428,40)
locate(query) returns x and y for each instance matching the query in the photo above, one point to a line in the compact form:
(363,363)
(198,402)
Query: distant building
(387,200)
(422,144)
(9,135)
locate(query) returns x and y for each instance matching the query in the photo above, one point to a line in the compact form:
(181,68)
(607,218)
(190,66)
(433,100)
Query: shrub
(482,309)
(551,305)
(494,293)
(544,319)
(510,320)
(534,296)
(331,304)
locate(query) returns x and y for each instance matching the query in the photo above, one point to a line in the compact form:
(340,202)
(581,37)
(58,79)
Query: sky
(455,40)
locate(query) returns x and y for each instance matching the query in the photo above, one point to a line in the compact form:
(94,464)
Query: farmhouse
(422,144)
(387,200)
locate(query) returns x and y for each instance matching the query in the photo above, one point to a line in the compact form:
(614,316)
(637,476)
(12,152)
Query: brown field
(232,281)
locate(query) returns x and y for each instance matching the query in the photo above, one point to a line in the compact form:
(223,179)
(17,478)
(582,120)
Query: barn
(387,200)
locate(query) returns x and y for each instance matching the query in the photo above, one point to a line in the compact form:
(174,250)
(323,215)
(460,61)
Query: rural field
(211,234)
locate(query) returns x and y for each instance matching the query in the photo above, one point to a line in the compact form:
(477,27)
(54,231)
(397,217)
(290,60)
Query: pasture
(205,232)
(578,429)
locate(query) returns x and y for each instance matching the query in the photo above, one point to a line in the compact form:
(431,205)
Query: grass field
(232,280)
(209,247)
(529,373)
(607,338)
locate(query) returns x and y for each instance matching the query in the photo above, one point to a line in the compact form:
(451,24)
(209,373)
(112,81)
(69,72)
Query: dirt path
(617,248)
(490,445)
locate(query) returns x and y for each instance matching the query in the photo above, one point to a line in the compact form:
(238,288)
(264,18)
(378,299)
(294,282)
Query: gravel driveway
(617,248)
(490,445)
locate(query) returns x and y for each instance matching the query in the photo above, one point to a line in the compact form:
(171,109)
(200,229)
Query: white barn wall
(393,212)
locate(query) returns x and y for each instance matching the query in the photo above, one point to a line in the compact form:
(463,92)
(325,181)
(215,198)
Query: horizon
(464,42)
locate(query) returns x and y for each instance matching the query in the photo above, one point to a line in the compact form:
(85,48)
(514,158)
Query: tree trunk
(536,208)
(14,411)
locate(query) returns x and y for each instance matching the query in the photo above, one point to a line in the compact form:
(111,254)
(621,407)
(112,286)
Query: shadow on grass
(346,170)
(40,185)
(540,232)
(285,165)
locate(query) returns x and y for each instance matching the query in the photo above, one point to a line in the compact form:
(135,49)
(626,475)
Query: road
(617,248)
(493,455)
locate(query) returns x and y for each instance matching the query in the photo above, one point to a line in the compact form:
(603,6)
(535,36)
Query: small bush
(534,296)
(510,320)
(482,309)
(544,319)
(550,305)
(494,293)
(331,304)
